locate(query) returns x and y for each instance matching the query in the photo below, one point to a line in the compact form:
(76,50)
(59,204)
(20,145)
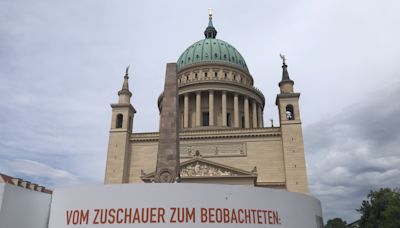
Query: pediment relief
(198,167)
(202,168)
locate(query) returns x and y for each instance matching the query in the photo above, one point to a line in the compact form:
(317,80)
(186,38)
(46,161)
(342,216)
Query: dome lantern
(210,31)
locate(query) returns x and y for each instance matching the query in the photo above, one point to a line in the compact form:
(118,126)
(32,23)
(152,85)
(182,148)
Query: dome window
(233,58)
(206,55)
(197,56)
(189,59)
(206,42)
(216,55)
(224,56)
(215,43)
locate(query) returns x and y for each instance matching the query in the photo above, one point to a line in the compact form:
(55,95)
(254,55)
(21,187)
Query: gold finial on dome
(210,13)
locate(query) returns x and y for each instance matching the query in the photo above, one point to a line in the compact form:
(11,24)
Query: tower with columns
(222,134)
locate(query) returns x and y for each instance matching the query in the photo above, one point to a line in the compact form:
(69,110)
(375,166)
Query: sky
(62,64)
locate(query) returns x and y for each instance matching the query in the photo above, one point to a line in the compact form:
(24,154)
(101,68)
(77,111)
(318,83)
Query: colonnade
(250,106)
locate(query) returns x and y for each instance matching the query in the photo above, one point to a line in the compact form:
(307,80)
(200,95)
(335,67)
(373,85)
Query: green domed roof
(211,49)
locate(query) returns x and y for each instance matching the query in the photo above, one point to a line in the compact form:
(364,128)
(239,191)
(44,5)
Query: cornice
(288,95)
(261,184)
(211,134)
(124,106)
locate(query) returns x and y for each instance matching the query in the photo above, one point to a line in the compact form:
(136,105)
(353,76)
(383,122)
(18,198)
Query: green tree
(335,223)
(381,209)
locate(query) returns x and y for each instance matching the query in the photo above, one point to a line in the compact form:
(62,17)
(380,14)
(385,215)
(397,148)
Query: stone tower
(120,132)
(292,136)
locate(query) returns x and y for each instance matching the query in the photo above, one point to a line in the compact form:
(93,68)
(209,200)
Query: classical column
(186,110)
(254,108)
(211,107)
(246,112)
(236,110)
(198,107)
(223,108)
(259,116)
(262,119)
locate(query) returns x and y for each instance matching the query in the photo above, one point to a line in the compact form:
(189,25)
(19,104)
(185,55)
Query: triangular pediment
(198,167)
(203,168)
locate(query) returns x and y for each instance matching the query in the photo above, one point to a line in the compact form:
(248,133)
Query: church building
(222,135)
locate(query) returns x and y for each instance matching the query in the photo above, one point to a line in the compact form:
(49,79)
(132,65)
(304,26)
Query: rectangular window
(206,119)
(228,119)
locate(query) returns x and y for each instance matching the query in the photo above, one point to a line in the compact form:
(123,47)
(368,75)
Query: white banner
(184,205)
(21,207)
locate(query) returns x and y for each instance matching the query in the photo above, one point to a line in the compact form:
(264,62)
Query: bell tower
(121,128)
(292,137)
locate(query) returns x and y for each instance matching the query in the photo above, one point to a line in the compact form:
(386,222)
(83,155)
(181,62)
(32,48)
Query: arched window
(289,112)
(120,118)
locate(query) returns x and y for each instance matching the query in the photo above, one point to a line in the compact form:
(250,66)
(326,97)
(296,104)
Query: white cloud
(36,171)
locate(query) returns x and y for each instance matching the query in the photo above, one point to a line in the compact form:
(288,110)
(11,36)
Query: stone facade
(222,138)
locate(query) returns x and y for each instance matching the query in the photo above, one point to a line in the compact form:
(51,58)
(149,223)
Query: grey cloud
(355,151)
